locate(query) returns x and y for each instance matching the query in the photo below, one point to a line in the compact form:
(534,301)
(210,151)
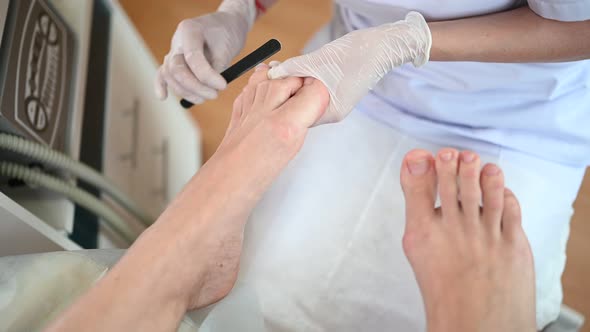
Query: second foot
(471,257)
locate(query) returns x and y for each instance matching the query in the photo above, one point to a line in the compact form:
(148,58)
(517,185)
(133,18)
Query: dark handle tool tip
(185,103)
(250,61)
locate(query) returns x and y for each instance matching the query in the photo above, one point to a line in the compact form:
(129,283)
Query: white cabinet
(151,148)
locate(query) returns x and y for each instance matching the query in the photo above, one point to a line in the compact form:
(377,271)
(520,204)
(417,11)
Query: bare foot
(269,122)
(473,264)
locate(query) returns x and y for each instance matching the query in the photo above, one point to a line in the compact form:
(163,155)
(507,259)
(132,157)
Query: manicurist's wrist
(442,46)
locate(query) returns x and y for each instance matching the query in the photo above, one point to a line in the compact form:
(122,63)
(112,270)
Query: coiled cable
(57,159)
(79,196)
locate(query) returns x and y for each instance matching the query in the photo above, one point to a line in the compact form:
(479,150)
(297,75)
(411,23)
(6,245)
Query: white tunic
(541,109)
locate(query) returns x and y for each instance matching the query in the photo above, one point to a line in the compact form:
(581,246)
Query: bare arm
(519,35)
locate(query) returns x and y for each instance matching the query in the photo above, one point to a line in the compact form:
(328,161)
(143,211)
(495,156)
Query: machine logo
(41,76)
(41,86)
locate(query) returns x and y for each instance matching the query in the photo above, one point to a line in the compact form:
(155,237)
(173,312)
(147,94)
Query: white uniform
(323,247)
(538,108)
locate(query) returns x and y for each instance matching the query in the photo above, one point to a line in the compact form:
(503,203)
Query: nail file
(250,61)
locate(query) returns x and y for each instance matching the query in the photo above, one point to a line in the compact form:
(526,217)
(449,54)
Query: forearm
(518,35)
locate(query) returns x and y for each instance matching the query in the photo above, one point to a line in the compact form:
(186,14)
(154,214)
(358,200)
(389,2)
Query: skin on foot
(471,257)
(269,123)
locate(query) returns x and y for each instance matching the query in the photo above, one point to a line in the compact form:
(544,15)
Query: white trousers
(323,248)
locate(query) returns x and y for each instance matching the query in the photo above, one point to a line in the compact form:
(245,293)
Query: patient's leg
(473,265)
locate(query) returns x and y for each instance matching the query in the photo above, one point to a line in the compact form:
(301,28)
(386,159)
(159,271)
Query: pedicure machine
(88,155)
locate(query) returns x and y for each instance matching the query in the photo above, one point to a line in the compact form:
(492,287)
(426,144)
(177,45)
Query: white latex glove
(353,64)
(201,48)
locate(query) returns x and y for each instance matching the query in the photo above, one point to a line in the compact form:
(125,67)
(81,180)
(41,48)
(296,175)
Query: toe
(418,181)
(511,216)
(446,171)
(469,187)
(492,186)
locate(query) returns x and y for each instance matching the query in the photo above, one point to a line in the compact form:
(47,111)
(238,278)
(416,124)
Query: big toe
(418,180)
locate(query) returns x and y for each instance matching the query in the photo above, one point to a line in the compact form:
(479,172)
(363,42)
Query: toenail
(492,170)
(261,66)
(468,157)
(447,156)
(418,166)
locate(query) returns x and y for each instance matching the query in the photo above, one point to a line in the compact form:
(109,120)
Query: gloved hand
(201,48)
(353,64)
